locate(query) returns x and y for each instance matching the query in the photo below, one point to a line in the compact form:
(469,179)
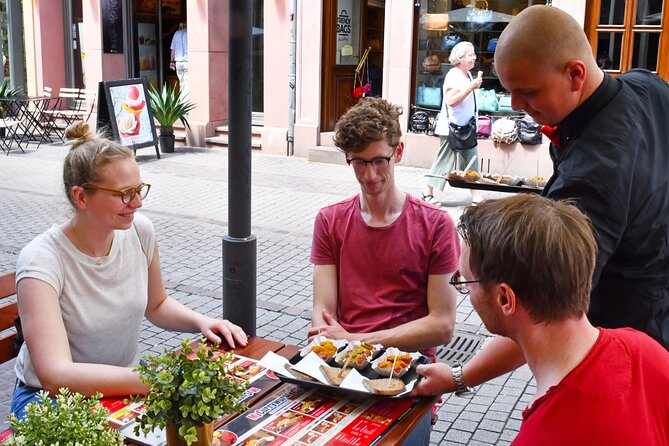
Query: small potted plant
(72,419)
(168,106)
(189,390)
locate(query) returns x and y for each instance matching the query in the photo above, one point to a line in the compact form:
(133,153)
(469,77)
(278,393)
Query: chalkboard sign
(112,26)
(124,111)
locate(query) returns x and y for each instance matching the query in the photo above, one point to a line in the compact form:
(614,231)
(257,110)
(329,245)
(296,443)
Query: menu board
(123,108)
(297,416)
(112,26)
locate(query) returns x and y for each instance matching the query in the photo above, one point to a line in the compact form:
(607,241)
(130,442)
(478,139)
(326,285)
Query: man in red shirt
(527,263)
(382,258)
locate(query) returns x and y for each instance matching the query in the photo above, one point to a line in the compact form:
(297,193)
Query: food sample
(385,386)
(480,75)
(325,350)
(401,361)
(357,354)
(334,375)
(472,175)
(299,375)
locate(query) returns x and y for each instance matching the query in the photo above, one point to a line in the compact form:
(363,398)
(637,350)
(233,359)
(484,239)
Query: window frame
(628,29)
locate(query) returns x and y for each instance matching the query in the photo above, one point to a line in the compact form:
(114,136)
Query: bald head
(544,35)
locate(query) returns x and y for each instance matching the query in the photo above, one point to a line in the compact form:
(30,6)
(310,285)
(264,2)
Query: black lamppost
(239,246)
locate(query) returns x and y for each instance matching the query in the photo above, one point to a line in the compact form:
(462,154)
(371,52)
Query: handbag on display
(504,131)
(484,126)
(492,45)
(430,64)
(488,100)
(505,104)
(428,97)
(449,41)
(462,137)
(529,131)
(479,15)
(419,122)
(433,22)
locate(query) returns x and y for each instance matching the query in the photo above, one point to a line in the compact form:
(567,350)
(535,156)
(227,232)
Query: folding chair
(10,124)
(87,98)
(71,98)
(9,312)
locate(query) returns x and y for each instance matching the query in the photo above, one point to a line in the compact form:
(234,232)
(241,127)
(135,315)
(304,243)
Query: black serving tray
(367,372)
(494,187)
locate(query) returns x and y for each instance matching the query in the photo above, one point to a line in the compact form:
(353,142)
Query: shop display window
(444,23)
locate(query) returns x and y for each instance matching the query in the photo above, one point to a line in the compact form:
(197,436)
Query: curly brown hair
(544,249)
(370,120)
(88,154)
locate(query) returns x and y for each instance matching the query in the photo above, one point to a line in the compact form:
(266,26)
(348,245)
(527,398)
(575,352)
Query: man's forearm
(501,355)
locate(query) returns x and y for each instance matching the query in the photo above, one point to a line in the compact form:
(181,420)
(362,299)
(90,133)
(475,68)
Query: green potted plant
(72,419)
(168,106)
(6,91)
(189,390)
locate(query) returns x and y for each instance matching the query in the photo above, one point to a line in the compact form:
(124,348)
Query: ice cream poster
(131,116)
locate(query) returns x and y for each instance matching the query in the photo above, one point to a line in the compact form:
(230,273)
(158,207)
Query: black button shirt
(615,164)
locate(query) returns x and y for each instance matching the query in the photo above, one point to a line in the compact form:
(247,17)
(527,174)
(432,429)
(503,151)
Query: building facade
(342,48)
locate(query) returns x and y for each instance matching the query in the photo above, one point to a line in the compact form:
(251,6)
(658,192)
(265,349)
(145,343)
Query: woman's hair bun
(78,133)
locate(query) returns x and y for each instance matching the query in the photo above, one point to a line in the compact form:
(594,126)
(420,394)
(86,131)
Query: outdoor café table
(29,113)
(257,347)
(412,411)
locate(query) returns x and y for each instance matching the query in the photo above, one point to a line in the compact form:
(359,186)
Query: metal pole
(291,80)
(239,246)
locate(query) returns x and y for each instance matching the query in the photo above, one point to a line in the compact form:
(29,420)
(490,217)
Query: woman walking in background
(458,107)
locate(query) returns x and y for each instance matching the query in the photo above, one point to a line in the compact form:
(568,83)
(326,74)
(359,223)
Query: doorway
(353,35)
(152,26)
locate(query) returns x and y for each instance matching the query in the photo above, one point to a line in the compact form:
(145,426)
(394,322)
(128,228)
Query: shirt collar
(573,124)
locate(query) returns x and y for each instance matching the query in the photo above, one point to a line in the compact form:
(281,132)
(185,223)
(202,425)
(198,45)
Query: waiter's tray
(367,372)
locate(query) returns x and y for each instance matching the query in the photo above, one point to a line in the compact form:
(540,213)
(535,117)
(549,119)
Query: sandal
(429,198)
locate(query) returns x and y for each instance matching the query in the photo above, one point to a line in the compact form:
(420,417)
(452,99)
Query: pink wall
(49,45)
(276,38)
(207,66)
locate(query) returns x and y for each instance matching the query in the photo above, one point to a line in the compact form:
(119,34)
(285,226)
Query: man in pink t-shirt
(527,263)
(383,259)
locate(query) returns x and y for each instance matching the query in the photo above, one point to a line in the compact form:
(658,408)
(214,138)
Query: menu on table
(297,416)
(123,413)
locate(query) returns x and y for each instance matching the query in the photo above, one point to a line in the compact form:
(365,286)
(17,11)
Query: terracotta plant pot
(205,435)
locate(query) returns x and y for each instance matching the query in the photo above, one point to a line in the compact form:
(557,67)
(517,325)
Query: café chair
(9,312)
(88,102)
(9,126)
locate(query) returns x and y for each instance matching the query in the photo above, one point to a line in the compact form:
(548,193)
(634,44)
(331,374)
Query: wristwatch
(461,388)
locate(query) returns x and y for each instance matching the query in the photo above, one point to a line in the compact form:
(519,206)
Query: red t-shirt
(382,272)
(618,395)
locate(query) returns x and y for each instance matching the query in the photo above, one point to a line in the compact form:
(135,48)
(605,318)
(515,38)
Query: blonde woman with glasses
(84,286)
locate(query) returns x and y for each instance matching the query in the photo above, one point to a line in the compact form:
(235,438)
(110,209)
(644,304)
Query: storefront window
(348,32)
(443,24)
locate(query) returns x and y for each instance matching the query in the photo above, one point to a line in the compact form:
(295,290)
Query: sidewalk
(188,206)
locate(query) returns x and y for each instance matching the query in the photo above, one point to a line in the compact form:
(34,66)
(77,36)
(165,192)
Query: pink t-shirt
(618,395)
(382,272)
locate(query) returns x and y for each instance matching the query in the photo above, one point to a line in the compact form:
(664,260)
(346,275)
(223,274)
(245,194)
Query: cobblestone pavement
(188,206)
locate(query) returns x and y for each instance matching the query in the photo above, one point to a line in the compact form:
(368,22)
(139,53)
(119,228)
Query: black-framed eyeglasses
(378,163)
(127,194)
(461,283)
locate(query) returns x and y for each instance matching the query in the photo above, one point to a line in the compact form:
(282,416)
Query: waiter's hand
(436,379)
(331,330)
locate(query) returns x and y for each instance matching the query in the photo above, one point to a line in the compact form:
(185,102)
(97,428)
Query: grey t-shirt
(102,300)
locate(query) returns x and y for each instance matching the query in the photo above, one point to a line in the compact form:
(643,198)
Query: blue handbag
(492,45)
(505,104)
(428,97)
(487,100)
(449,41)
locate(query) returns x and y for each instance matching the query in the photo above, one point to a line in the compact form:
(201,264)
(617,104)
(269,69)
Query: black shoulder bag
(463,137)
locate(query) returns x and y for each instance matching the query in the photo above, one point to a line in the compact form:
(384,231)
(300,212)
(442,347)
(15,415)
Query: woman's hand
(475,84)
(212,328)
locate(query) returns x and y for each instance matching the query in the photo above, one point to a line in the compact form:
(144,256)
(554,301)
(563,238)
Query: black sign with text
(112,26)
